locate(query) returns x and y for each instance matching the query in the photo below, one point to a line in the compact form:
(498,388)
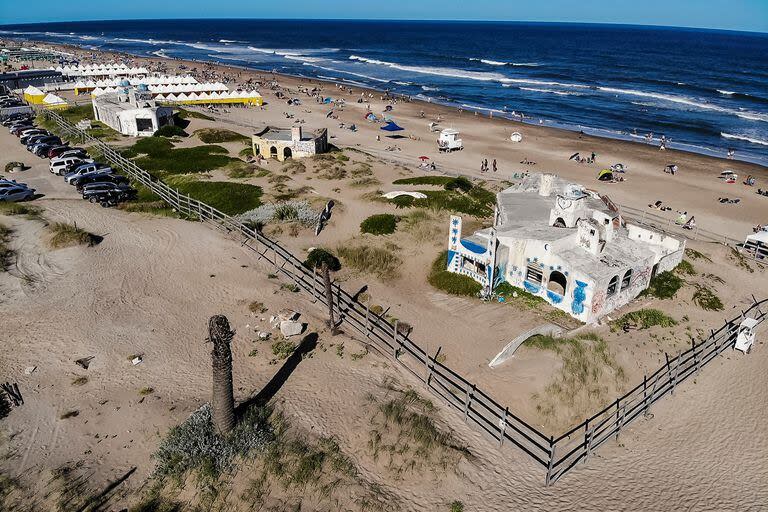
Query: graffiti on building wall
(579,296)
(598,302)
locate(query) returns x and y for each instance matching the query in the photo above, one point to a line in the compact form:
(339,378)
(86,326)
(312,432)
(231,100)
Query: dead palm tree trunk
(223,401)
(329,296)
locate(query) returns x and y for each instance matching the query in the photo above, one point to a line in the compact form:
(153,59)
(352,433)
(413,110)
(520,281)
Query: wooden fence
(556,455)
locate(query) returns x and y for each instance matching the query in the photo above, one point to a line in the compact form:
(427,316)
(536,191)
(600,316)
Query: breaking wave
(744,138)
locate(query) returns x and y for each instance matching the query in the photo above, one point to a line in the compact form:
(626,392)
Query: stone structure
(131,111)
(566,244)
(283,143)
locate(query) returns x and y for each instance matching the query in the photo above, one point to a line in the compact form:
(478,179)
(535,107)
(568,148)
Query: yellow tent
(54,102)
(33,95)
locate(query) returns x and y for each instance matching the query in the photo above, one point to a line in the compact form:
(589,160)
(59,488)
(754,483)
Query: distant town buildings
(284,143)
(565,244)
(131,111)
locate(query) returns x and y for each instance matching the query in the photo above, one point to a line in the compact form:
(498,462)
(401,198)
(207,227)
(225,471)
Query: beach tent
(53,101)
(370,116)
(516,137)
(33,95)
(392,127)
(605,175)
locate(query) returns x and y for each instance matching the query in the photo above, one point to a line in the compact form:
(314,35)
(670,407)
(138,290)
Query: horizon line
(714,29)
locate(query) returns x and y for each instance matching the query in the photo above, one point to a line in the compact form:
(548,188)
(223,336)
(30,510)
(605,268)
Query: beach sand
(151,284)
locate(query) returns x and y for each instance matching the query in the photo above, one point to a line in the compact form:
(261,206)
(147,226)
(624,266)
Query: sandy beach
(149,287)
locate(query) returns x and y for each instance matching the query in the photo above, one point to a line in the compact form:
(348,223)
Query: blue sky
(749,15)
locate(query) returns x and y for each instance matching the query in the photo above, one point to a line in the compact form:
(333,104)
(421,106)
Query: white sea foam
(447,72)
(727,93)
(229,41)
(744,138)
(304,59)
(502,63)
(427,88)
(550,91)
(334,70)
(161,53)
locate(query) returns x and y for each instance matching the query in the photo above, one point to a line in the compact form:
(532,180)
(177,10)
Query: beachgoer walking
(494,165)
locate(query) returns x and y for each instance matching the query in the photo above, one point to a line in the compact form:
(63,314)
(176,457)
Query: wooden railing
(556,455)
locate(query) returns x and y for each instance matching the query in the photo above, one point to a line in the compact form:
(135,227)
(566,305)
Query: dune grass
(706,299)
(644,319)
(477,201)
(159,154)
(219,135)
(6,253)
(663,286)
(227,197)
(685,268)
(191,114)
(147,202)
(378,261)
(171,130)
(30,212)
(68,235)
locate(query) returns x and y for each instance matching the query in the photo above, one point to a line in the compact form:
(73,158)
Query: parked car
(16,118)
(50,140)
(87,169)
(16,129)
(28,134)
(5,183)
(35,138)
(16,194)
(64,164)
(98,189)
(75,152)
(57,150)
(113,197)
(41,148)
(83,181)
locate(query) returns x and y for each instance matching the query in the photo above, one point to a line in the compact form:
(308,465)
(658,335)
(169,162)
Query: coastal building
(565,244)
(283,143)
(25,78)
(131,111)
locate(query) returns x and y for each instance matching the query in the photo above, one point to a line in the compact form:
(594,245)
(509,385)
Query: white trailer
(449,141)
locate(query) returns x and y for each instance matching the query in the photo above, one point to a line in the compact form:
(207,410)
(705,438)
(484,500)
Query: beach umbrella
(605,175)
(423,158)
(392,127)
(573,156)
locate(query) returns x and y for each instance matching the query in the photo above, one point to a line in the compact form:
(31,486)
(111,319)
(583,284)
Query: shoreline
(484,112)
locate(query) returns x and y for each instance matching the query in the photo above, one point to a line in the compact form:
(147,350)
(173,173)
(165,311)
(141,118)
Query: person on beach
(494,165)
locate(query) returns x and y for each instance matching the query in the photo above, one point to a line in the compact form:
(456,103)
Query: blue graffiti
(451,254)
(501,271)
(556,298)
(579,295)
(531,287)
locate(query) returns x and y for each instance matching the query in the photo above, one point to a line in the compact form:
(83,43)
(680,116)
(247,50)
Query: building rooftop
(284,134)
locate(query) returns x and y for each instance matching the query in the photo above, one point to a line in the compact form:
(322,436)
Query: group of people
(484,165)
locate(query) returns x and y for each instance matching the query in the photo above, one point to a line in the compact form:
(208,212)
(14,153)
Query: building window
(613,285)
(558,283)
(627,280)
(533,275)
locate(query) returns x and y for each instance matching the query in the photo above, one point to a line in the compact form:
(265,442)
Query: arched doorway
(256,149)
(287,153)
(559,223)
(558,283)
(273,152)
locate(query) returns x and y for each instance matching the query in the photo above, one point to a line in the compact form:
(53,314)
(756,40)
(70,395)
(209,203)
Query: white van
(61,166)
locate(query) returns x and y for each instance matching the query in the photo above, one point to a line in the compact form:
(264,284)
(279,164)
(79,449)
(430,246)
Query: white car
(16,193)
(87,169)
(61,165)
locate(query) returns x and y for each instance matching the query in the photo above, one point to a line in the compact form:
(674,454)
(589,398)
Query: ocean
(705,91)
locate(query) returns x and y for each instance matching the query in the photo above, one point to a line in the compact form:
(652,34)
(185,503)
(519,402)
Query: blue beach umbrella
(392,127)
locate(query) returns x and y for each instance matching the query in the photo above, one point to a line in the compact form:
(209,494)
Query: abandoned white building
(283,143)
(131,111)
(566,244)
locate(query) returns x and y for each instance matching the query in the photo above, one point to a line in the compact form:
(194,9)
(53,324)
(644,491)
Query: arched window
(627,280)
(559,223)
(613,285)
(287,153)
(558,283)
(273,152)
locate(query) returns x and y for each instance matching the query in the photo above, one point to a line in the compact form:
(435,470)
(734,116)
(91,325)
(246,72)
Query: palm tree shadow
(307,345)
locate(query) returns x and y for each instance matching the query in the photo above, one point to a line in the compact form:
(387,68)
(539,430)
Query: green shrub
(440,181)
(218,135)
(186,160)
(515,295)
(706,299)
(227,197)
(457,506)
(645,319)
(283,349)
(460,183)
(151,146)
(454,284)
(663,286)
(696,255)
(189,114)
(170,130)
(67,235)
(380,224)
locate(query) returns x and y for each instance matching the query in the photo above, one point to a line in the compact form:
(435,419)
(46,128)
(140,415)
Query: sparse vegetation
(187,114)
(219,135)
(31,212)
(227,197)
(696,255)
(685,268)
(706,299)
(171,130)
(380,224)
(477,201)
(644,319)
(282,349)
(80,381)
(740,260)
(257,307)
(379,261)
(456,506)
(67,235)
(453,284)
(580,386)
(663,286)
(69,414)
(146,391)
(6,253)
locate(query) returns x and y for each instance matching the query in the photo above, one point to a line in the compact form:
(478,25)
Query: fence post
(677,372)
(431,368)
(314,285)
(588,431)
(394,339)
(696,359)
(503,426)
(621,420)
(367,319)
(551,462)
(468,400)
